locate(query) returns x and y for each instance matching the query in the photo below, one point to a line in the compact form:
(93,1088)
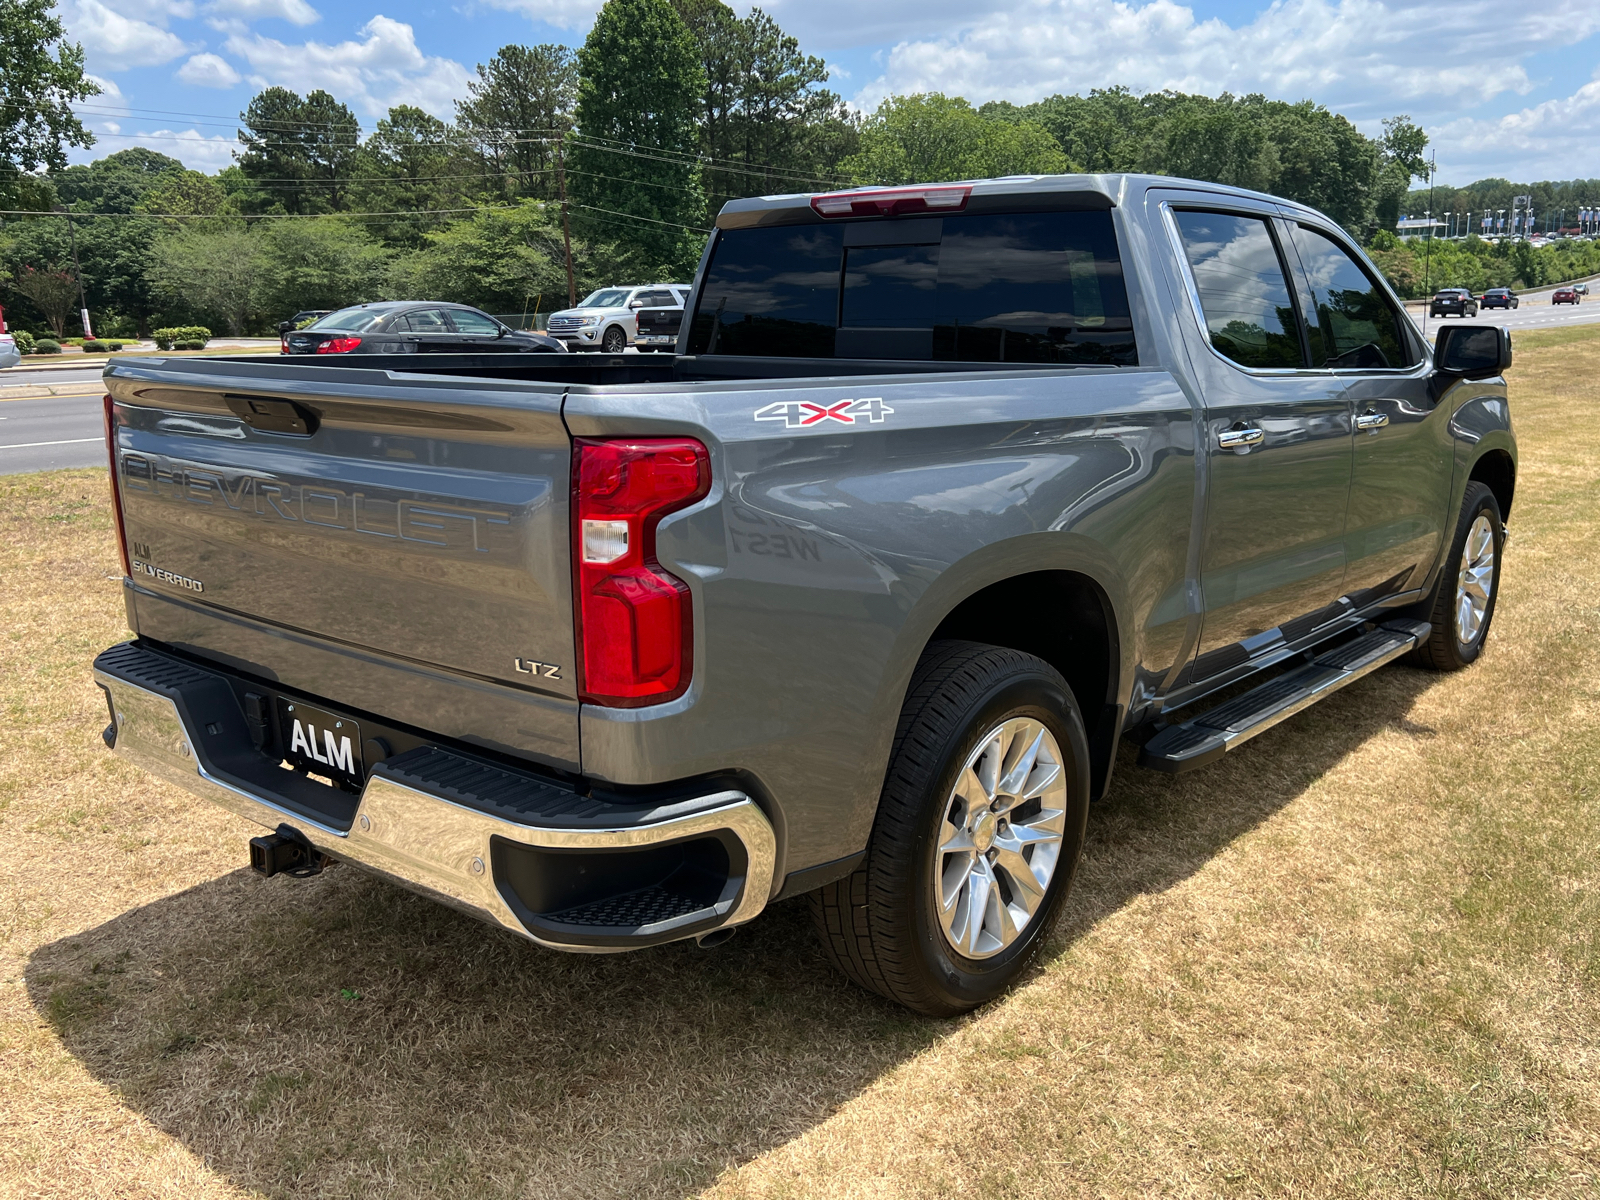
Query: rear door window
(426,320)
(1036,288)
(1351,322)
(1243,288)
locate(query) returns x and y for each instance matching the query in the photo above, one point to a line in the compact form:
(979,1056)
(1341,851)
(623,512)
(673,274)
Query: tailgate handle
(274,416)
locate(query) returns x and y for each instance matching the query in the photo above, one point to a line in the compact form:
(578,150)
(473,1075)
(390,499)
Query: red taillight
(635,632)
(338,345)
(893,202)
(283,343)
(116,492)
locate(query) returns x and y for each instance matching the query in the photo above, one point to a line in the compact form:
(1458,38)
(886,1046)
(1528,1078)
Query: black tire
(878,924)
(614,341)
(1444,650)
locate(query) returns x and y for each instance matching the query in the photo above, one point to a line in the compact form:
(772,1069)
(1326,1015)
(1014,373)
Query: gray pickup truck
(948,491)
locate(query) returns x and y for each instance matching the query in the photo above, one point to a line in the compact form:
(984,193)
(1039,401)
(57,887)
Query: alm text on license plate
(321,742)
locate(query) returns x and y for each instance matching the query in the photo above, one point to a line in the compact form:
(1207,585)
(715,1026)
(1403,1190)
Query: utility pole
(1427,254)
(566,225)
(83,303)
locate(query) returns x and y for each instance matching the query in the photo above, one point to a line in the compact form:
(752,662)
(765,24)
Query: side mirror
(636,304)
(1473,351)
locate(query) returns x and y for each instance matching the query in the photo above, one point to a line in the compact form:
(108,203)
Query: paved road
(45,435)
(1529,317)
(74,378)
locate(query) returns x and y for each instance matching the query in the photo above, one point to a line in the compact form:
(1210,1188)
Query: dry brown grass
(1359,957)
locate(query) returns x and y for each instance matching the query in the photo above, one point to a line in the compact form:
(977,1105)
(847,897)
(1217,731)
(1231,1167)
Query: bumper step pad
(1212,734)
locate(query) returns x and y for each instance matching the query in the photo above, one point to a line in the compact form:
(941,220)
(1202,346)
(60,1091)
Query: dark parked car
(1500,298)
(413,327)
(1453,300)
(303,317)
(658,328)
(1565,295)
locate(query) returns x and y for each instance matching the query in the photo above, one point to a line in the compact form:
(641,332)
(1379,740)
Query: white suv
(606,320)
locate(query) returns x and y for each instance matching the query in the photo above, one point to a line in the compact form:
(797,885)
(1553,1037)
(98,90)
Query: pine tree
(632,169)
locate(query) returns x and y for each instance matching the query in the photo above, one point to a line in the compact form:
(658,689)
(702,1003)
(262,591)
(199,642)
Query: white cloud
(1558,139)
(1366,58)
(108,88)
(296,12)
(202,152)
(383,69)
(208,70)
(563,14)
(113,41)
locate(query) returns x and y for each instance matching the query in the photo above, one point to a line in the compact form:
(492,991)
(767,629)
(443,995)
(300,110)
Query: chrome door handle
(1241,439)
(1372,420)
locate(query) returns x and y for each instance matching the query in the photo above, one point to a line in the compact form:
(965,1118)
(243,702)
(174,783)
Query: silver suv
(606,319)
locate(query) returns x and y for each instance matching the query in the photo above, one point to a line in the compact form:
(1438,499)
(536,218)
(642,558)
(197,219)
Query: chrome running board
(1207,737)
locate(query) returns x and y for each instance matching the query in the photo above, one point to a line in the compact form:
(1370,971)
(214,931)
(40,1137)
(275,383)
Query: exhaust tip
(716,937)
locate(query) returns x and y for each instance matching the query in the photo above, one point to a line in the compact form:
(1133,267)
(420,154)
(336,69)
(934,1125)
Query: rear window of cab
(1025,288)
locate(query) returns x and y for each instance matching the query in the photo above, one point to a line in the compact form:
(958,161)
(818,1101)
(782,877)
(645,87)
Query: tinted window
(1351,322)
(425,320)
(1243,292)
(473,322)
(1044,288)
(771,292)
(887,307)
(657,299)
(1040,288)
(351,320)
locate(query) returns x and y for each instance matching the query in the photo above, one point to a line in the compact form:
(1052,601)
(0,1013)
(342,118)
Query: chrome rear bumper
(409,833)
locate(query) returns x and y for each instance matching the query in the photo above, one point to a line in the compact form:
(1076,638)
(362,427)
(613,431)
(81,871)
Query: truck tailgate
(420,518)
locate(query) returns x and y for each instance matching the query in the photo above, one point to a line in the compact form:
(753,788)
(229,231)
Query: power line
(248,217)
(650,220)
(469,136)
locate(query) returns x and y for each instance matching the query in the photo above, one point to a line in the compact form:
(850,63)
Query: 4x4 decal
(797,413)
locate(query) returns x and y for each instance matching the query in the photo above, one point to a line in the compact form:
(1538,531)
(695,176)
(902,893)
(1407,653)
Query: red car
(1565,295)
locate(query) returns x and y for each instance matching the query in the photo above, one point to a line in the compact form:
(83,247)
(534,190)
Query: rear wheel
(614,341)
(1462,606)
(977,835)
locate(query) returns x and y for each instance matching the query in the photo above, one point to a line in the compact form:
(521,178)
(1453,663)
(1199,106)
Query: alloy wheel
(1000,838)
(1475,582)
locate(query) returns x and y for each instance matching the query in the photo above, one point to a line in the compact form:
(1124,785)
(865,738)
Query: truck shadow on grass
(340,1036)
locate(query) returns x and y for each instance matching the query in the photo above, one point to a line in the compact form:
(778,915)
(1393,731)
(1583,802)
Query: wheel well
(1496,471)
(1065,619)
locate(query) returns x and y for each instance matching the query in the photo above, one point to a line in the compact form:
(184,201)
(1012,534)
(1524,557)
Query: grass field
(1360,957)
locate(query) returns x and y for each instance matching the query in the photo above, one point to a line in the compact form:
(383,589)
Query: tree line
(623,149)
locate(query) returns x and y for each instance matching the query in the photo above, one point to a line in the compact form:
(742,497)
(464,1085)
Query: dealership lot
(1358,956)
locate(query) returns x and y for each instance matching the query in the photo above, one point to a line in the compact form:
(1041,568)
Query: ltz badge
(796,414)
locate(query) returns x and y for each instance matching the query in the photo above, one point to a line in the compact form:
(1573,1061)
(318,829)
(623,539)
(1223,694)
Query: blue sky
(1498,96)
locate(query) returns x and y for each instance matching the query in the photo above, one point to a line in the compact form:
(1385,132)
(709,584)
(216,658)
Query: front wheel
(614,341)
(978,833)
(1462,606)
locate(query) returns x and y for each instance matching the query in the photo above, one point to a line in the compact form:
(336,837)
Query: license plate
(321,742)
